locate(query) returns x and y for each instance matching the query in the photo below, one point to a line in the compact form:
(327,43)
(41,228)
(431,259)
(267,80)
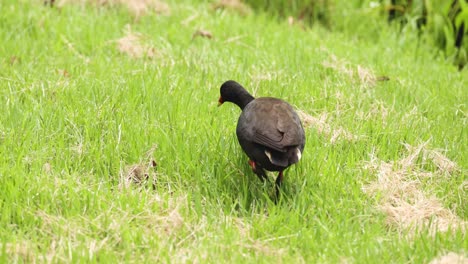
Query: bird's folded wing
(269,138)
(273,125)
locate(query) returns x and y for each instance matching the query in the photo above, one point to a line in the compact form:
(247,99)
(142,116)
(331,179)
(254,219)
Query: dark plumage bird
(269,131)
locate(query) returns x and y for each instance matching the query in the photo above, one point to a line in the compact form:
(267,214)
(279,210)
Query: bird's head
(233,92)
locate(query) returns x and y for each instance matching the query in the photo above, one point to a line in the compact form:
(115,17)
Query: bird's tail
(294,155)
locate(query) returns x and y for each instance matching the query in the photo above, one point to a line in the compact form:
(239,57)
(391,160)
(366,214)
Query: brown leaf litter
(401,198)
(450,258)
(132,45)
(136,7)
(363,75)
(323,127)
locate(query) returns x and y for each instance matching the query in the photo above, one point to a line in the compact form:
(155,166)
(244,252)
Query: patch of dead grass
(378,110)
(132,45)
(361,74)
(28,252)
(258,246)
(234,5)
(21,251)
(47,168)
(442,162)
(413,115)
(365,75)
(450,258)
(136,7)
(267,76)
(340,65)
(163,223)
(242,226)
(258,75)
(261,248)
(161,219)
(323,127)
(401,198)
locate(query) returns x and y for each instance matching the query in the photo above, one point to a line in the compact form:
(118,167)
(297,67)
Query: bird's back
(273,125)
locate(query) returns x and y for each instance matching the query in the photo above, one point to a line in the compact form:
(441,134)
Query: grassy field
(113,149)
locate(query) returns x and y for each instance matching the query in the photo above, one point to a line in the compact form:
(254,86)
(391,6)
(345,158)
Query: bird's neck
(244,99)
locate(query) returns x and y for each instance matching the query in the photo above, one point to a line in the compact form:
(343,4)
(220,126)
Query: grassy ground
(91,96)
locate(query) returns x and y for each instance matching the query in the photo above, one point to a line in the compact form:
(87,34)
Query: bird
(269,131)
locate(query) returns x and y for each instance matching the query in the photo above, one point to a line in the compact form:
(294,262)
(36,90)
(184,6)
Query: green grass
(65,141)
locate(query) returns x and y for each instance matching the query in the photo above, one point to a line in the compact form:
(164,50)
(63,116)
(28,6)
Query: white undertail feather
(298,154)
(268,155)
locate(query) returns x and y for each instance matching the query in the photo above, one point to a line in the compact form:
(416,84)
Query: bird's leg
(278,182)
(258,171)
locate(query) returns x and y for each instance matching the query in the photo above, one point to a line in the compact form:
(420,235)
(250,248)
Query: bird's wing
(274,125)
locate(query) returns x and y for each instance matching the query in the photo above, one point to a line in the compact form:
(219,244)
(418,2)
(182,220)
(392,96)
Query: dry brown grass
(136,7)
(443,163)
(19,252)
(47,168)
(450,258)
(264,76)
(97,233)
(414,115)
(162,219)
(378,110)
(360,74)
(234,5)
(340,65)
(401,198)
(323,127)
(366,76)
(132,45)
(259,247)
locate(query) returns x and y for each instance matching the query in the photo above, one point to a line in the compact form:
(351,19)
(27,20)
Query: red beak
(220,101)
